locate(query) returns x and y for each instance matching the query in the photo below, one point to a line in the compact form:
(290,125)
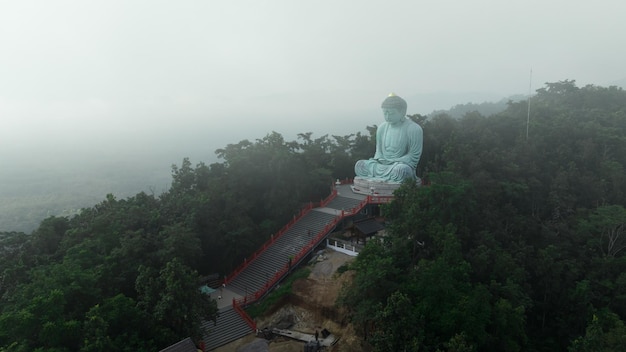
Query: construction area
(291,324)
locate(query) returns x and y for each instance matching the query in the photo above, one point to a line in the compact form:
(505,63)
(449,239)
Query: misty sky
(144,76)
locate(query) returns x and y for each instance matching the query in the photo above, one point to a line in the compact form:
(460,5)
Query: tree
(397,324)
(606,225)
(119,325)
(48,237)
(606,333)
(173,299)
(40,323)
(377,278)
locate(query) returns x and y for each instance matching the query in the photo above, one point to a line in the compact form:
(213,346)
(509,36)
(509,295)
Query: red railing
(379,199)
(244,315)
(253,297)
(273,237)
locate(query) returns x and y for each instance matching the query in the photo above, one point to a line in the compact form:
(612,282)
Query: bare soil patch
(310,307)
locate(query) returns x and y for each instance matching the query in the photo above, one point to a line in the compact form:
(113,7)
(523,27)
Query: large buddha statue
(398,149)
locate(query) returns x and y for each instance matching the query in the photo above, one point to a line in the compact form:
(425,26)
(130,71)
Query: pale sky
(142,76)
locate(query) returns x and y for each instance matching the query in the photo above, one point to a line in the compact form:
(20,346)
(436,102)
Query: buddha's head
(394,108)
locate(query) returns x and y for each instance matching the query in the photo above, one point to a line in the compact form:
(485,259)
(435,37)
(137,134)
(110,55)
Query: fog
(126,88)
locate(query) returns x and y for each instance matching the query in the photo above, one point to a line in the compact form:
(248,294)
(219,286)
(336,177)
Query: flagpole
(530,83)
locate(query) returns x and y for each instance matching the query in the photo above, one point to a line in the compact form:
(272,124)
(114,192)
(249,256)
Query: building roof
(185,345)
(368,227)
(206,289)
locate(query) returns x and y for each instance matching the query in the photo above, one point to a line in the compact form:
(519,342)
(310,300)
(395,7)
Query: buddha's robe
(398,150)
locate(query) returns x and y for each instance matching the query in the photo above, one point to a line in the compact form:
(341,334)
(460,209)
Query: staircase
(228,327)
(269,265)
(258,273)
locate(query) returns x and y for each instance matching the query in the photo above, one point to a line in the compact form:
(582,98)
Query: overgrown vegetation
(517,244)
(342,269)
(277,294)
(124,274)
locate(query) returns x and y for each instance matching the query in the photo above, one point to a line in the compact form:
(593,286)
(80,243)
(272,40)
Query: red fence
(244,315)
(253,297)
(273,237)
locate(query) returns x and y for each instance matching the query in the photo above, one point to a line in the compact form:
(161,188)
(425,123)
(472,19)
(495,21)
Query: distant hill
(619,83)
(484,108)
(30,191)
(52,181)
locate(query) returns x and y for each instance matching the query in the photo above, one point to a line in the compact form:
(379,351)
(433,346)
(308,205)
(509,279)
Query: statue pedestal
(376,187)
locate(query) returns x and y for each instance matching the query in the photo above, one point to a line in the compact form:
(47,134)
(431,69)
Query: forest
(516,243)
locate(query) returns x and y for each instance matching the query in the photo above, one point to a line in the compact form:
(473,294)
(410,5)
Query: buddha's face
(392,115)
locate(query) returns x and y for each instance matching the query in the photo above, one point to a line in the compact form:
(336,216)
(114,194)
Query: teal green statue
(398,146)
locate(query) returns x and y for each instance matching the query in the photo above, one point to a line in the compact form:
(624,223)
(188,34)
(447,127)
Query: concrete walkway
(227,297)
(297,335)
(331,211)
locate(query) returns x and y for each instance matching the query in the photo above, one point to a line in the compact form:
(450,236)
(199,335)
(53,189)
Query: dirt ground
(311,307)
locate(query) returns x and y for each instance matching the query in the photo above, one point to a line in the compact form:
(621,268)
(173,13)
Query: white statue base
(376,187)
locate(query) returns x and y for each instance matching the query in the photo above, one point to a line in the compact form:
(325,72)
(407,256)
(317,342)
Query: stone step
(230,326)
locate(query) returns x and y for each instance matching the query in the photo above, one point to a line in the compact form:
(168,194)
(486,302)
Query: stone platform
(327,341)
(374,187)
